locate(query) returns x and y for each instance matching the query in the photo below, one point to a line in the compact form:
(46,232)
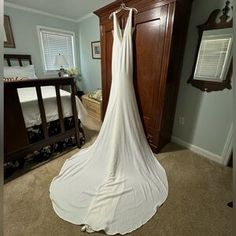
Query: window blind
(55,43)
(212,57)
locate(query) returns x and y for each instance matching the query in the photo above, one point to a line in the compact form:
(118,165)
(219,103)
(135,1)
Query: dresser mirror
(212,69)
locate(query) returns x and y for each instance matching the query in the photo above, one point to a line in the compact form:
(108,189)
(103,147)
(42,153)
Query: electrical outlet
(181,120)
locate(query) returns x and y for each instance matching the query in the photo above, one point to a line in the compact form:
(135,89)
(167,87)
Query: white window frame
(59,31)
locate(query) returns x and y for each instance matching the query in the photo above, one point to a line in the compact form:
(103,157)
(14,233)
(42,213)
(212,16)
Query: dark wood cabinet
(160,28)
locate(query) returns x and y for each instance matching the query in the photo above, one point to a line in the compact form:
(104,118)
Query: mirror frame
(211,24)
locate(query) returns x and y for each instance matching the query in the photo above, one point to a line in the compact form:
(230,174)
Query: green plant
(72,71)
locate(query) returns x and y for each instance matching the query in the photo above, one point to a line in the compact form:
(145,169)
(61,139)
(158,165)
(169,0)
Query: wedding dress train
(115,185)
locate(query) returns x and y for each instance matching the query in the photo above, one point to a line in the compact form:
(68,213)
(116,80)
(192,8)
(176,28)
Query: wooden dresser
(160,29)
(93,107)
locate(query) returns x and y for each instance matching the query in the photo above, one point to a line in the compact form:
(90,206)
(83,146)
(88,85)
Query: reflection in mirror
(213,64)
(214,55)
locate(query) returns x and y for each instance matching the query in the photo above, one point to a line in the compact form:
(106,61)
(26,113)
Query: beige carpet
(199,191)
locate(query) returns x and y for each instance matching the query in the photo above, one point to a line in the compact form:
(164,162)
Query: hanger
(123,7)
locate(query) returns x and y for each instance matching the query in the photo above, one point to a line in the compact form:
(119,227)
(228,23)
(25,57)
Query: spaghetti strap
(128,26)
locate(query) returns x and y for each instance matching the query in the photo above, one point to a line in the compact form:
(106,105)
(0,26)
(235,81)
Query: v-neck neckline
(121,37)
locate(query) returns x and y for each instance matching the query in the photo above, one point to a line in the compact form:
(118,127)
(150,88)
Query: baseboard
(228,148)
(198,150)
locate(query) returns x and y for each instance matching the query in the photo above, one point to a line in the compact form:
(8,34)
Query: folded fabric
(97,95)
(9,79)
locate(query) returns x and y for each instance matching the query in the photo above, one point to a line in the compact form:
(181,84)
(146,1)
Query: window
(213,57)
(54,42)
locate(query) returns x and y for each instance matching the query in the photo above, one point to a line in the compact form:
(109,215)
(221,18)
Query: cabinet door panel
(149,47)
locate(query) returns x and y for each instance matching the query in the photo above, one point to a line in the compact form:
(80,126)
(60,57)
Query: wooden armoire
(160,29)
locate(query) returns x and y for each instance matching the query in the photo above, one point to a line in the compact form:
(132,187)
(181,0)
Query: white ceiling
(70,9)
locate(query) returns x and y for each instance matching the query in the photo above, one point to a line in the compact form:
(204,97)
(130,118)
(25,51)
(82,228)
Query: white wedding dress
(115,185)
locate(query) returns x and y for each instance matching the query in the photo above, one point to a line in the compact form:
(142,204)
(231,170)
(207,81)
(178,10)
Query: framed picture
(8,35)
(96,50)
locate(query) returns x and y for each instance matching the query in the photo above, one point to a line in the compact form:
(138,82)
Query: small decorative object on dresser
(60,60)
(93,106)
(72,71)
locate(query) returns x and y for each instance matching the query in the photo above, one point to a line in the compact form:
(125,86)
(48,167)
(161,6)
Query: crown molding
(16,6)
(85,17)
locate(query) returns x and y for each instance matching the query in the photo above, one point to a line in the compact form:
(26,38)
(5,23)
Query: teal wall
(90,68)
(26,37)
(208,116)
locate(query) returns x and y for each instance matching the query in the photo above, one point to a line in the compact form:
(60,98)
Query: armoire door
(150,63)
(151,43)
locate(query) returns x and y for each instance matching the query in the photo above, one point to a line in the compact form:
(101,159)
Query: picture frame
(8,35)
(96,49)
